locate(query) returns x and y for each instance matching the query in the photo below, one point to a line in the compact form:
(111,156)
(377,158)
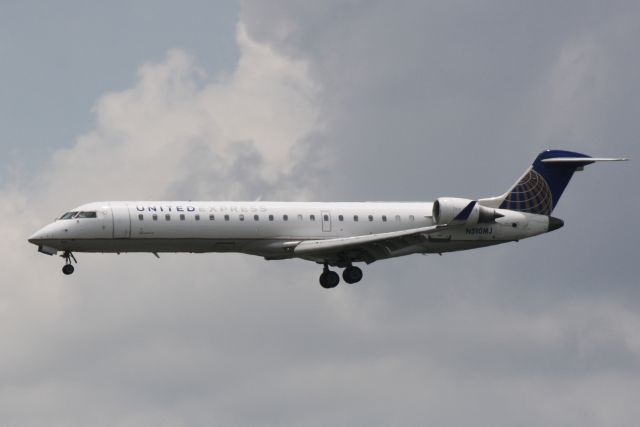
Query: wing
(368,247)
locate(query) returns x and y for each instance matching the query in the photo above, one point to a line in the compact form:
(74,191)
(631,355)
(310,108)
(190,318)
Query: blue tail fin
(539,190)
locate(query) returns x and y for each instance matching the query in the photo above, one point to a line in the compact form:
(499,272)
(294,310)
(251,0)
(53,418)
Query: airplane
(331,234)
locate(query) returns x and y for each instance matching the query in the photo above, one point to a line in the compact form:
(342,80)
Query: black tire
(352,274)
(329,279)
(67,269)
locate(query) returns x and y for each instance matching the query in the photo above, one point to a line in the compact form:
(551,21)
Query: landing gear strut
(68,267)
(329,279)
(352,274)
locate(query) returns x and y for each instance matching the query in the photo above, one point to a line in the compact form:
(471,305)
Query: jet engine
(447,210)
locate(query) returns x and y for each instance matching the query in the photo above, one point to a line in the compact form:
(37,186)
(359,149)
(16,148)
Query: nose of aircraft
(49,231)
(37,237)
(555,223)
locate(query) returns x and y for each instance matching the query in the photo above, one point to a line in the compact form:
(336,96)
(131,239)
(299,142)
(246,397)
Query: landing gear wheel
(329,279)
(352,274)
(68,257)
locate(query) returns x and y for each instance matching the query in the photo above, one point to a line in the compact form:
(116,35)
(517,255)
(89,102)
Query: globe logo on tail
(532,194)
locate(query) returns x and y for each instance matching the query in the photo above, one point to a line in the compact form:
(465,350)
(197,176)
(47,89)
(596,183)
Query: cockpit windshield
(69,215)
(82,214)
(87,214)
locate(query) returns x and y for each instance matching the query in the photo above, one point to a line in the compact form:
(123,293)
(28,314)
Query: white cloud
(151,138)
(88,345)
(526,334)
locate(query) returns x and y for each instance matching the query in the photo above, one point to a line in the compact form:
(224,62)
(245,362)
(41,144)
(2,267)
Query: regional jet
(330,234)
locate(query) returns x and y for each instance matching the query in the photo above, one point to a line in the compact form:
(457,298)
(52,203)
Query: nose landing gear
(67,269)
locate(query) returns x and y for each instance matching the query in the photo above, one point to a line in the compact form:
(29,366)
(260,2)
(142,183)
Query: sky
(329,101)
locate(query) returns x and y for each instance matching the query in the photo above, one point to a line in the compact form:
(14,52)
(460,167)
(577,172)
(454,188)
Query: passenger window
(256,218)
(312,217)
(226,217)
(140,217)
(411,218)
(181,217)
(398,218)
(167,217)
(340,218)
(212,217)
(326,217)
(299,217)
(241,216)
(355,218)
(197,217)
(285,217)
(384,218)
(154,217)
(370,217)
(270,217)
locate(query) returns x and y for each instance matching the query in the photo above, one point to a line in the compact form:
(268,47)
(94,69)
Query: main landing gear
(67,269)
(352,274)
(330,279)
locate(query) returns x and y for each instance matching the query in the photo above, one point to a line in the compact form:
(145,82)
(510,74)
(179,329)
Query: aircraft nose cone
(36,238)
(40,235)
(555,223)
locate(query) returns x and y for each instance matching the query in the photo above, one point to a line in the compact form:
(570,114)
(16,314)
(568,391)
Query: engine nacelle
(447,210)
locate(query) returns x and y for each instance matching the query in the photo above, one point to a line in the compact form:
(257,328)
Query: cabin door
(326,221)
(121,222)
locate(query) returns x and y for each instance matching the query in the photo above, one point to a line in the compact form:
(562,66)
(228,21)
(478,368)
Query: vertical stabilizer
(539,189)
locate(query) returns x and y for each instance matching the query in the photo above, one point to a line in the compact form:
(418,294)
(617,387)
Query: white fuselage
(333,234)
(267,229)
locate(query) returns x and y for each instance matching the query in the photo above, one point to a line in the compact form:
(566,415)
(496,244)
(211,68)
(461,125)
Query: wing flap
(377,245)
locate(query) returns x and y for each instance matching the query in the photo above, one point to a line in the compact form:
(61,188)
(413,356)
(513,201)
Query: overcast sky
(332,100)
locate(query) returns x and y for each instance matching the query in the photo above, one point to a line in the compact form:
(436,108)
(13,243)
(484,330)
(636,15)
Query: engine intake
(447,210)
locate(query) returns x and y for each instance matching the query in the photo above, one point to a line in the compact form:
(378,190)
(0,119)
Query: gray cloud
(458,99)
(374,101)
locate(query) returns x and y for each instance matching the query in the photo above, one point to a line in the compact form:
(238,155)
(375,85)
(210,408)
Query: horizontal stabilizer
(583,160)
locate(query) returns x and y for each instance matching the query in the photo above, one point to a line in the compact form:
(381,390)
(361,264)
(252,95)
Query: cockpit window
(69,215)
(87,214)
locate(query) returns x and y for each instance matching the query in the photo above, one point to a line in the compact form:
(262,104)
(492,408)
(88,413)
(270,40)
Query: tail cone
(555,223)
